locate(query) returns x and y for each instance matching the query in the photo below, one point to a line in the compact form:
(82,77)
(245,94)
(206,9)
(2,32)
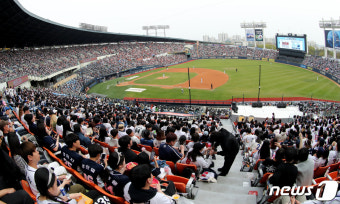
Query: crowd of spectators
(43,111)
(327,65)
(110,119)
(291,152)
(43,62)
(232,51)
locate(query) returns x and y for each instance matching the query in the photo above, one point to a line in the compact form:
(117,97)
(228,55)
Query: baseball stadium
(91,116)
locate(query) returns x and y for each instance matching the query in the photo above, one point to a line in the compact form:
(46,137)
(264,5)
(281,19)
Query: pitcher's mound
(162,77)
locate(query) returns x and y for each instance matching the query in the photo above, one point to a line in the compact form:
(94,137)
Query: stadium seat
(257,163)
(148,148)
(171,165)
(155,149)
(265,178)
(103,144)
(27,188)
(112,149)
(135,151)
(334,167)
(333,174)
(180,182)
(187,141)
(180,167)
(76,174)
(320,171)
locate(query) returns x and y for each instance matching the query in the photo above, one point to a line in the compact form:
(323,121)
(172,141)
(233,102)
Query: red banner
(16,82)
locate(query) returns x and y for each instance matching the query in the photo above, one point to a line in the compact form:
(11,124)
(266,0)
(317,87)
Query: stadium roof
(20,28)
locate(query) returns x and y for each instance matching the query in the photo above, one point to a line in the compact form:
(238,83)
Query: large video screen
(291,43)
(329,38)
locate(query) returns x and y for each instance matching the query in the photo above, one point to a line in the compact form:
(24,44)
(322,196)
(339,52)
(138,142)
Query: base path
(205,79)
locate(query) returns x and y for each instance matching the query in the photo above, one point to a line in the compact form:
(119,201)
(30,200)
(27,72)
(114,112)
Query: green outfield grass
(277,80)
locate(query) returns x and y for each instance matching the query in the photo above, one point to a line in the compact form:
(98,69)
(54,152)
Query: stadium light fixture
(147,29)
(254,25)
(156,28)
(330,24)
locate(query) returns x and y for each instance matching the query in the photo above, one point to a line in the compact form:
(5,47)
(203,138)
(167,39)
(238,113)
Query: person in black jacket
(230,148)
(286,173)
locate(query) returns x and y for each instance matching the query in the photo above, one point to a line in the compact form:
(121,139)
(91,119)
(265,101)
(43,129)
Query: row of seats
(182,184)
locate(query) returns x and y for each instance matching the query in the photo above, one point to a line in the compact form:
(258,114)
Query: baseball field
(222,79)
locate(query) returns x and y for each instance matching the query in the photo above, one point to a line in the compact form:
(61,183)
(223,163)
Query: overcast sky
(191,19)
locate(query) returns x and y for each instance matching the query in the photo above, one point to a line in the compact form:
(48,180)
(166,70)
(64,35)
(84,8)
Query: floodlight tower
(147,29)
(163,27)
(255,25)
(155,27)
(330,24)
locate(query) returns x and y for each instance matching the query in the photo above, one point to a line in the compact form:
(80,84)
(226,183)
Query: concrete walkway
(231,189)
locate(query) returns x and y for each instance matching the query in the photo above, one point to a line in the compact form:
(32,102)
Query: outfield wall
(333,78)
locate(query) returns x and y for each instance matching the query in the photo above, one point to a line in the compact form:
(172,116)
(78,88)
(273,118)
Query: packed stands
(207,50)
(43,62)
(327,65)
(312,141)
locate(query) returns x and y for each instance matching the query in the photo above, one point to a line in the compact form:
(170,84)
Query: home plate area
(139,90)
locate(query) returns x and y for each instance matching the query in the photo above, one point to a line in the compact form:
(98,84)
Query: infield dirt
(205,79)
